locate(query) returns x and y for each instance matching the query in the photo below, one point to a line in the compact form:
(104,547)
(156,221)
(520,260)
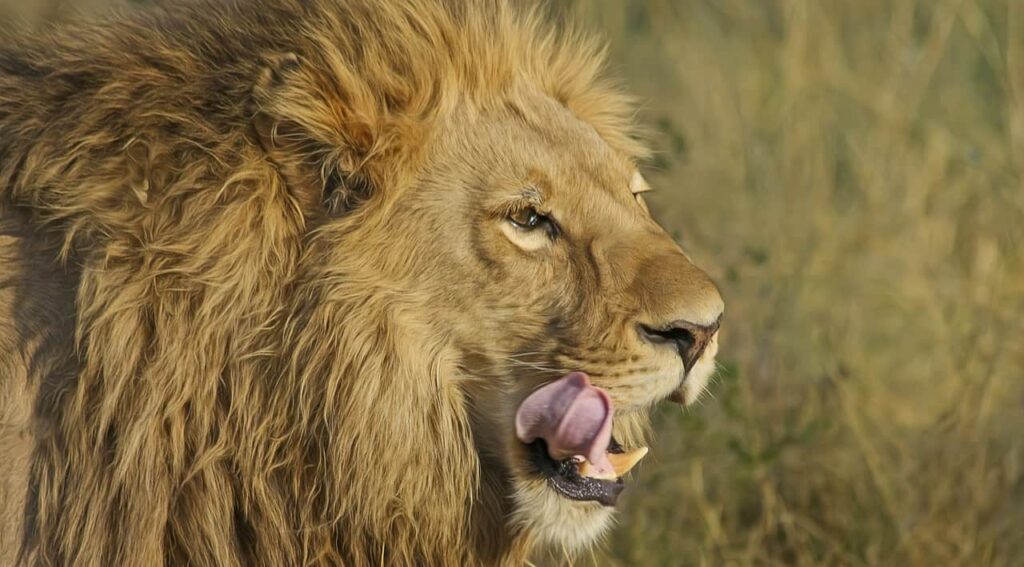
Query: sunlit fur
(259,302)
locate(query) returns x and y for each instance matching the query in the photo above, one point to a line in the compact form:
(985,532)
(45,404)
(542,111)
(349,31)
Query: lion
(347,282)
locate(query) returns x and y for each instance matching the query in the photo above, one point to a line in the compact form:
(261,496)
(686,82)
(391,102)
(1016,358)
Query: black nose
(689,339)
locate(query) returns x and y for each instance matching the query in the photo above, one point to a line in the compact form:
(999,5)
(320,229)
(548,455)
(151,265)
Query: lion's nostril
(683,339)
(689,339)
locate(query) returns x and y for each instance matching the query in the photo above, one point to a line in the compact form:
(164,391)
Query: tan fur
(259,302)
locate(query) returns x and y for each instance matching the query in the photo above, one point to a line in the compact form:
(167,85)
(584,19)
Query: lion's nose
(689,339)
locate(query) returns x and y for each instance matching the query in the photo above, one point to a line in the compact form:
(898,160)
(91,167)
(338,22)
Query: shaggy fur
(249,310)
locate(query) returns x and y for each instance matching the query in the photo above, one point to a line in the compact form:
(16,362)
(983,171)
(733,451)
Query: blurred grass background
(850,172)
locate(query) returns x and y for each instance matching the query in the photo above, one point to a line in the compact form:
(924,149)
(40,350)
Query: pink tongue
(572,417)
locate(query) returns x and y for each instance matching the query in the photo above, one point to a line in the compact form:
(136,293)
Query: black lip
(564,478)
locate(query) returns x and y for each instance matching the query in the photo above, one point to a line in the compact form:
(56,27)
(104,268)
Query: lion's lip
(564,477)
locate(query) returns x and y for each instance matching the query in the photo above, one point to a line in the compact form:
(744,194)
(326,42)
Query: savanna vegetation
(850,171)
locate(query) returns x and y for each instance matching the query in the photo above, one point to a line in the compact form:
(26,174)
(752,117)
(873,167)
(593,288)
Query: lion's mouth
(567,426)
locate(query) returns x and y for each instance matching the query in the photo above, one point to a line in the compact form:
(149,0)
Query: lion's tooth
(623,462)
(589,470)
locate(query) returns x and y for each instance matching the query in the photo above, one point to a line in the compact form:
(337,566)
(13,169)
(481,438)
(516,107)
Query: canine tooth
(623,462)
(589,470)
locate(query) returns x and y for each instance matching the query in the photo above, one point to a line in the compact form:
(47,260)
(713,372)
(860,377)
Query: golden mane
(235,397)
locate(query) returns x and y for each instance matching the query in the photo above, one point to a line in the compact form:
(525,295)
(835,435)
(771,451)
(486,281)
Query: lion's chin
(557,522)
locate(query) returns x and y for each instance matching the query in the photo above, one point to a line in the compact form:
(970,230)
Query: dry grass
(851,173)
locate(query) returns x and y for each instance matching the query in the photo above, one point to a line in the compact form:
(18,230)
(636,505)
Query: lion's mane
(198,383)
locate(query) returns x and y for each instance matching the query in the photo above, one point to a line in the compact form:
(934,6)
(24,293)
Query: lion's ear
(294,122)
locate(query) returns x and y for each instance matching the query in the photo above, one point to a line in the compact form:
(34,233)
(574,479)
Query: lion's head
(544,266)
(391,287)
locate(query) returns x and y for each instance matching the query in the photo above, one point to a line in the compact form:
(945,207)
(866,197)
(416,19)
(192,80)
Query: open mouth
(565,477)
(567,427)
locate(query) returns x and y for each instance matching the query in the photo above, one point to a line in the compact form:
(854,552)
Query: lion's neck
(390,444)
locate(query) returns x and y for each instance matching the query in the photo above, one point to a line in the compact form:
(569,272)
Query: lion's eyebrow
(532,194)
(528,196)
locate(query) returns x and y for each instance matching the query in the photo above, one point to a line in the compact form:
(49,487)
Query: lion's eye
(527,218)
(526,221)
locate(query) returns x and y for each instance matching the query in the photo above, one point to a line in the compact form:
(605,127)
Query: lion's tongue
(573,418)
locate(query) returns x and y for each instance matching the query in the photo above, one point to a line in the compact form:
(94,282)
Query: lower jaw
(563,478)
(551,522)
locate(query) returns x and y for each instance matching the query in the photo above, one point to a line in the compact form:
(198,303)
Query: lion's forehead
(543,144)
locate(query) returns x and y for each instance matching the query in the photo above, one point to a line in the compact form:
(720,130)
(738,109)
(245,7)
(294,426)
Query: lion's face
(536,258)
